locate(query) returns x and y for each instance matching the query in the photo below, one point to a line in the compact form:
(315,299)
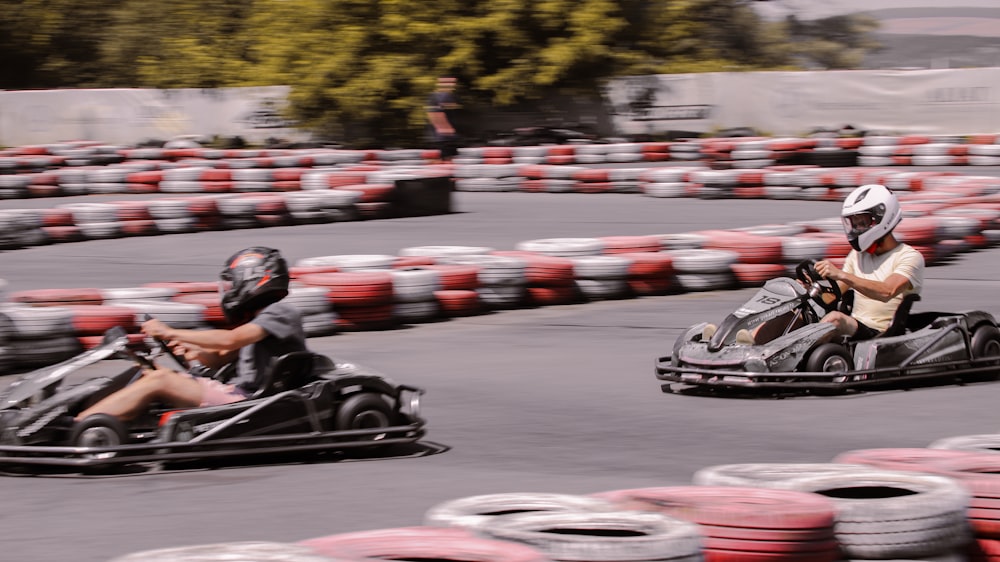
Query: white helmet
(869,213)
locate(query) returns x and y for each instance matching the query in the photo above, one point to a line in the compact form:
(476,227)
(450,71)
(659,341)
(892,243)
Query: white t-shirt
(902,259)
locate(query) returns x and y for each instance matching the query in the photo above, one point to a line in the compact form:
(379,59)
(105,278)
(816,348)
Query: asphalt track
(555,399)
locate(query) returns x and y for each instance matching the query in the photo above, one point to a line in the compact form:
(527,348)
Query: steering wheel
(164,348)
(817,286)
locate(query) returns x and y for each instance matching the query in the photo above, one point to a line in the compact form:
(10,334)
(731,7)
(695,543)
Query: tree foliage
(362,69)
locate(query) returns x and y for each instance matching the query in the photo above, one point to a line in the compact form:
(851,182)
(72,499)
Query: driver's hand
(156,328)
(829,271)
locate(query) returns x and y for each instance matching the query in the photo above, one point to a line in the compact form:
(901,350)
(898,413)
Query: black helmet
(256,277)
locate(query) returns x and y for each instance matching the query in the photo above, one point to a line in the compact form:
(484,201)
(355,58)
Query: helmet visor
(859,223)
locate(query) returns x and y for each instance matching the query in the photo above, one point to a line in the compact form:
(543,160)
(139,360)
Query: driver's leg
(178,389)
(845,324)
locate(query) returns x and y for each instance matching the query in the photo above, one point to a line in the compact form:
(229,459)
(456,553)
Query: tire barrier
(740,523)
(945,214)
(474,512)
(421,543)
(893,505)
(621,536)
(257,551)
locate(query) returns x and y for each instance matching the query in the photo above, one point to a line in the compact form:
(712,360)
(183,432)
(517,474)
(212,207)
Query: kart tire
(99,430)
(986,343)
(829,358)
(364,410)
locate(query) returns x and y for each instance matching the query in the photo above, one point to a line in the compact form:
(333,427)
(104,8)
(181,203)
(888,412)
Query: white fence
(129,116)
(949,101)
(946,101)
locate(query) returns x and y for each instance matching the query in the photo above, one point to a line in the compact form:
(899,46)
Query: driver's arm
(221,342)
(881,291)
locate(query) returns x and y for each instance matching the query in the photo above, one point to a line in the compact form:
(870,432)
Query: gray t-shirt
(283,324)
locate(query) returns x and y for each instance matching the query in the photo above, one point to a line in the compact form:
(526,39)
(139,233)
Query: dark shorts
(864,332)
(447,145)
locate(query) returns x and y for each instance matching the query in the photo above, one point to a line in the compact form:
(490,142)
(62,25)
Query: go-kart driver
(879,268)
(254,281)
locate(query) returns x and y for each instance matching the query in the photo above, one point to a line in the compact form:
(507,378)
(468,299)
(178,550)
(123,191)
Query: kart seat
(291,370)
(898,325)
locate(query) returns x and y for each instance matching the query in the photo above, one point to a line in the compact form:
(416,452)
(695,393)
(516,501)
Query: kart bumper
(667,372)
(153,451)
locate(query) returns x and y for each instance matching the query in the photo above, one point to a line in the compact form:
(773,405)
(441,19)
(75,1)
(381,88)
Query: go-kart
(308,403)
(794,351)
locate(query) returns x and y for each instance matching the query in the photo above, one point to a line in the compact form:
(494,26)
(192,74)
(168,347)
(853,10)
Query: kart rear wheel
(99,430)
(829,358)
(365,410)
(986,343)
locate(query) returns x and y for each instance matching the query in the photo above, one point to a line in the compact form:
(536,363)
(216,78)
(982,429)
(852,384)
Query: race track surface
(555,399)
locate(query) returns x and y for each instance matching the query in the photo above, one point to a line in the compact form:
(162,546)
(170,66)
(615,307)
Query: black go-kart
(309,403)
(801,354)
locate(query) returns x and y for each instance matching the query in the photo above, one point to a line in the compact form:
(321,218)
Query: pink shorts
(215,393)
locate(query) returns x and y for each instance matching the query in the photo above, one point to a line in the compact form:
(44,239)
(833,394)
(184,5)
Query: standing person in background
(441,109)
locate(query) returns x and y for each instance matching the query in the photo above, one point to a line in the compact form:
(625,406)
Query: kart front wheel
(99,430)
(365,410)
(986,344)
(829,358)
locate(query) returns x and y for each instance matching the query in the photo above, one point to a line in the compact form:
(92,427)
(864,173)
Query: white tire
(703,260)
(473,512)
(591,536)
(350,262)
(563,247)
(38,322)
(444,251)
(493,270)
(228,552)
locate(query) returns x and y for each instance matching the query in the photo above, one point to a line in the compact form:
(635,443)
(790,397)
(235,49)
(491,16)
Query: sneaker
(745,337)
(708,331)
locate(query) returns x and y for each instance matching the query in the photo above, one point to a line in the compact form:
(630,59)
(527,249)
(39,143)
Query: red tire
(94,320)
(552,295)
(631,244)
(455,277)
(732,506)
(354,288)
(57,297)
(365,318)
(459,302)
(756,274)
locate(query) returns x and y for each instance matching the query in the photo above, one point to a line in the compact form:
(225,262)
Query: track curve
(557,399)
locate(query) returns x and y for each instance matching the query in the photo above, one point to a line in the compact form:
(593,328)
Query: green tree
(838,42)
(361,70)
(177,44)
(52,43)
